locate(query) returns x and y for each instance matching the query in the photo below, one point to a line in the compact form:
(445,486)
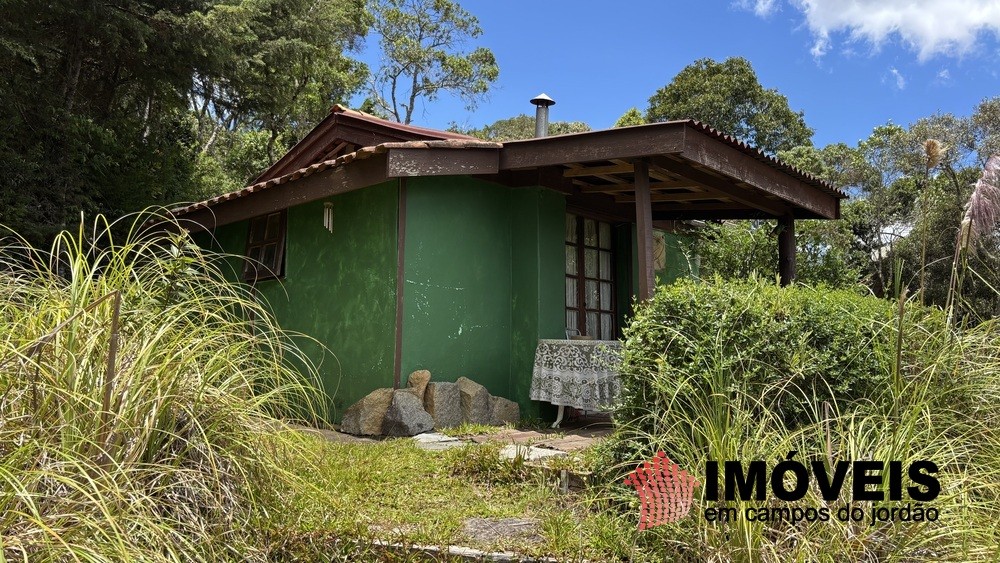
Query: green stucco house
(404,248)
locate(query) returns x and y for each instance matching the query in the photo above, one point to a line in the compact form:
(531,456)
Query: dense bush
(794,347)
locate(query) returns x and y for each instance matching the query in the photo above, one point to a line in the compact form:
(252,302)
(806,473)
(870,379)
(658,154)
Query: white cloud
(762,8)
(943,76)
(929,27)
(899,78)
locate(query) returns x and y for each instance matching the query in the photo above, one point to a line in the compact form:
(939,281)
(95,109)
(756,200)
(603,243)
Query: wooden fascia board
(441,161)
(700,148)
(345,178)
(626,142)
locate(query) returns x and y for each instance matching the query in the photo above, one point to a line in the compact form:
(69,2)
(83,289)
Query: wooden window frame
(581,278)
(255,270)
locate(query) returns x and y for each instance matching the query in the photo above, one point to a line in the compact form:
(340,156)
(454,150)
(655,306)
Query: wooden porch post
(644,230)
(786,249)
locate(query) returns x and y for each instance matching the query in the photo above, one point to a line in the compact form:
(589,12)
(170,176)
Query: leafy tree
(113,106)
(276,66)
(520,127)
(631,117)
(421,56)
(737,250)
(729,97)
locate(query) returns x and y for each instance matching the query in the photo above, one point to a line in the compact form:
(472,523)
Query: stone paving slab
(528,453)
(568,444)
(435,442)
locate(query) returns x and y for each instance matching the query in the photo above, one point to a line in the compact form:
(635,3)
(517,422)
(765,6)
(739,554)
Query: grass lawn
(394,491)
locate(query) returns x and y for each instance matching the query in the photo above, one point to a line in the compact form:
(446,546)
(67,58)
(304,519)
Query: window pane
(605,265)
(570,259)
(270,252)
(570,227)
(607,328)
(590,232)
(591,297)
(254,254)
(605,232)
(590,263)
(571,317)
(273,224)
(606,296)
(257,226)
(592,325)
(570,292)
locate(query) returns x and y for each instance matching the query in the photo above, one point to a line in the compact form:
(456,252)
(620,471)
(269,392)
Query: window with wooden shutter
(265,247)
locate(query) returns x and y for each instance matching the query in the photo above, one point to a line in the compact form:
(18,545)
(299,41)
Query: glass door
(590,278)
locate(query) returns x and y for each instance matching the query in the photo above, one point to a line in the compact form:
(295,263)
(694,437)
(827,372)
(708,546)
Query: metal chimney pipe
(542,103)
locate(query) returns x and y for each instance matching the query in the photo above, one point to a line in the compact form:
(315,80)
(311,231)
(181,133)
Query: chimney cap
(543,100)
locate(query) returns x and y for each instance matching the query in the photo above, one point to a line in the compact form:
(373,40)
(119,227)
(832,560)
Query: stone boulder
(443,402)
(475,401)
(504,411)
(418,381)
(406,415)
(366,416)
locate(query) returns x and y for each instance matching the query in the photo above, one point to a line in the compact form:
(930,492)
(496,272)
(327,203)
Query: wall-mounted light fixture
(328,216)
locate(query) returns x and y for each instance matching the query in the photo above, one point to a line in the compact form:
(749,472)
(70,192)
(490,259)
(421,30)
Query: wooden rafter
(619,188)
(676,197)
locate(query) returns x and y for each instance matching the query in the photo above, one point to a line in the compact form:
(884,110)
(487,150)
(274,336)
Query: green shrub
(794,348)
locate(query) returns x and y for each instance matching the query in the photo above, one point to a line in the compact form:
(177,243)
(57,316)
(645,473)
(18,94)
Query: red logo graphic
(665,491)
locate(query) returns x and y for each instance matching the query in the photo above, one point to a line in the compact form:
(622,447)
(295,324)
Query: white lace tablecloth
(576,373)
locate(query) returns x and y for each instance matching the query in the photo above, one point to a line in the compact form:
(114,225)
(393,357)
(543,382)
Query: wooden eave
(693,172)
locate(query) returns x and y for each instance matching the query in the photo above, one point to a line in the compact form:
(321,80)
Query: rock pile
(424,406)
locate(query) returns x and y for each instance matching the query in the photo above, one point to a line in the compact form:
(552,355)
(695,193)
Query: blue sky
(848,64)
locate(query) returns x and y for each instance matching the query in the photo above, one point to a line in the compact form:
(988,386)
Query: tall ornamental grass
(140,399)
(710,376)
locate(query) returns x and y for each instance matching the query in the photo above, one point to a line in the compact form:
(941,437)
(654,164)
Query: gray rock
(418,381)
(475,401)
(406,415)
(504,411)
(365,417)
(443,402)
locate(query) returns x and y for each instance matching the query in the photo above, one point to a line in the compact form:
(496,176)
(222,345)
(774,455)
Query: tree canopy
(729,97)
(113,106)
(421,44)
(520,127)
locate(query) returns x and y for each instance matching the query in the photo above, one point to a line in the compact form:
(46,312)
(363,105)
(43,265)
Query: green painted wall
(457,282)
(538,218)
(339,288)
(483,281)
